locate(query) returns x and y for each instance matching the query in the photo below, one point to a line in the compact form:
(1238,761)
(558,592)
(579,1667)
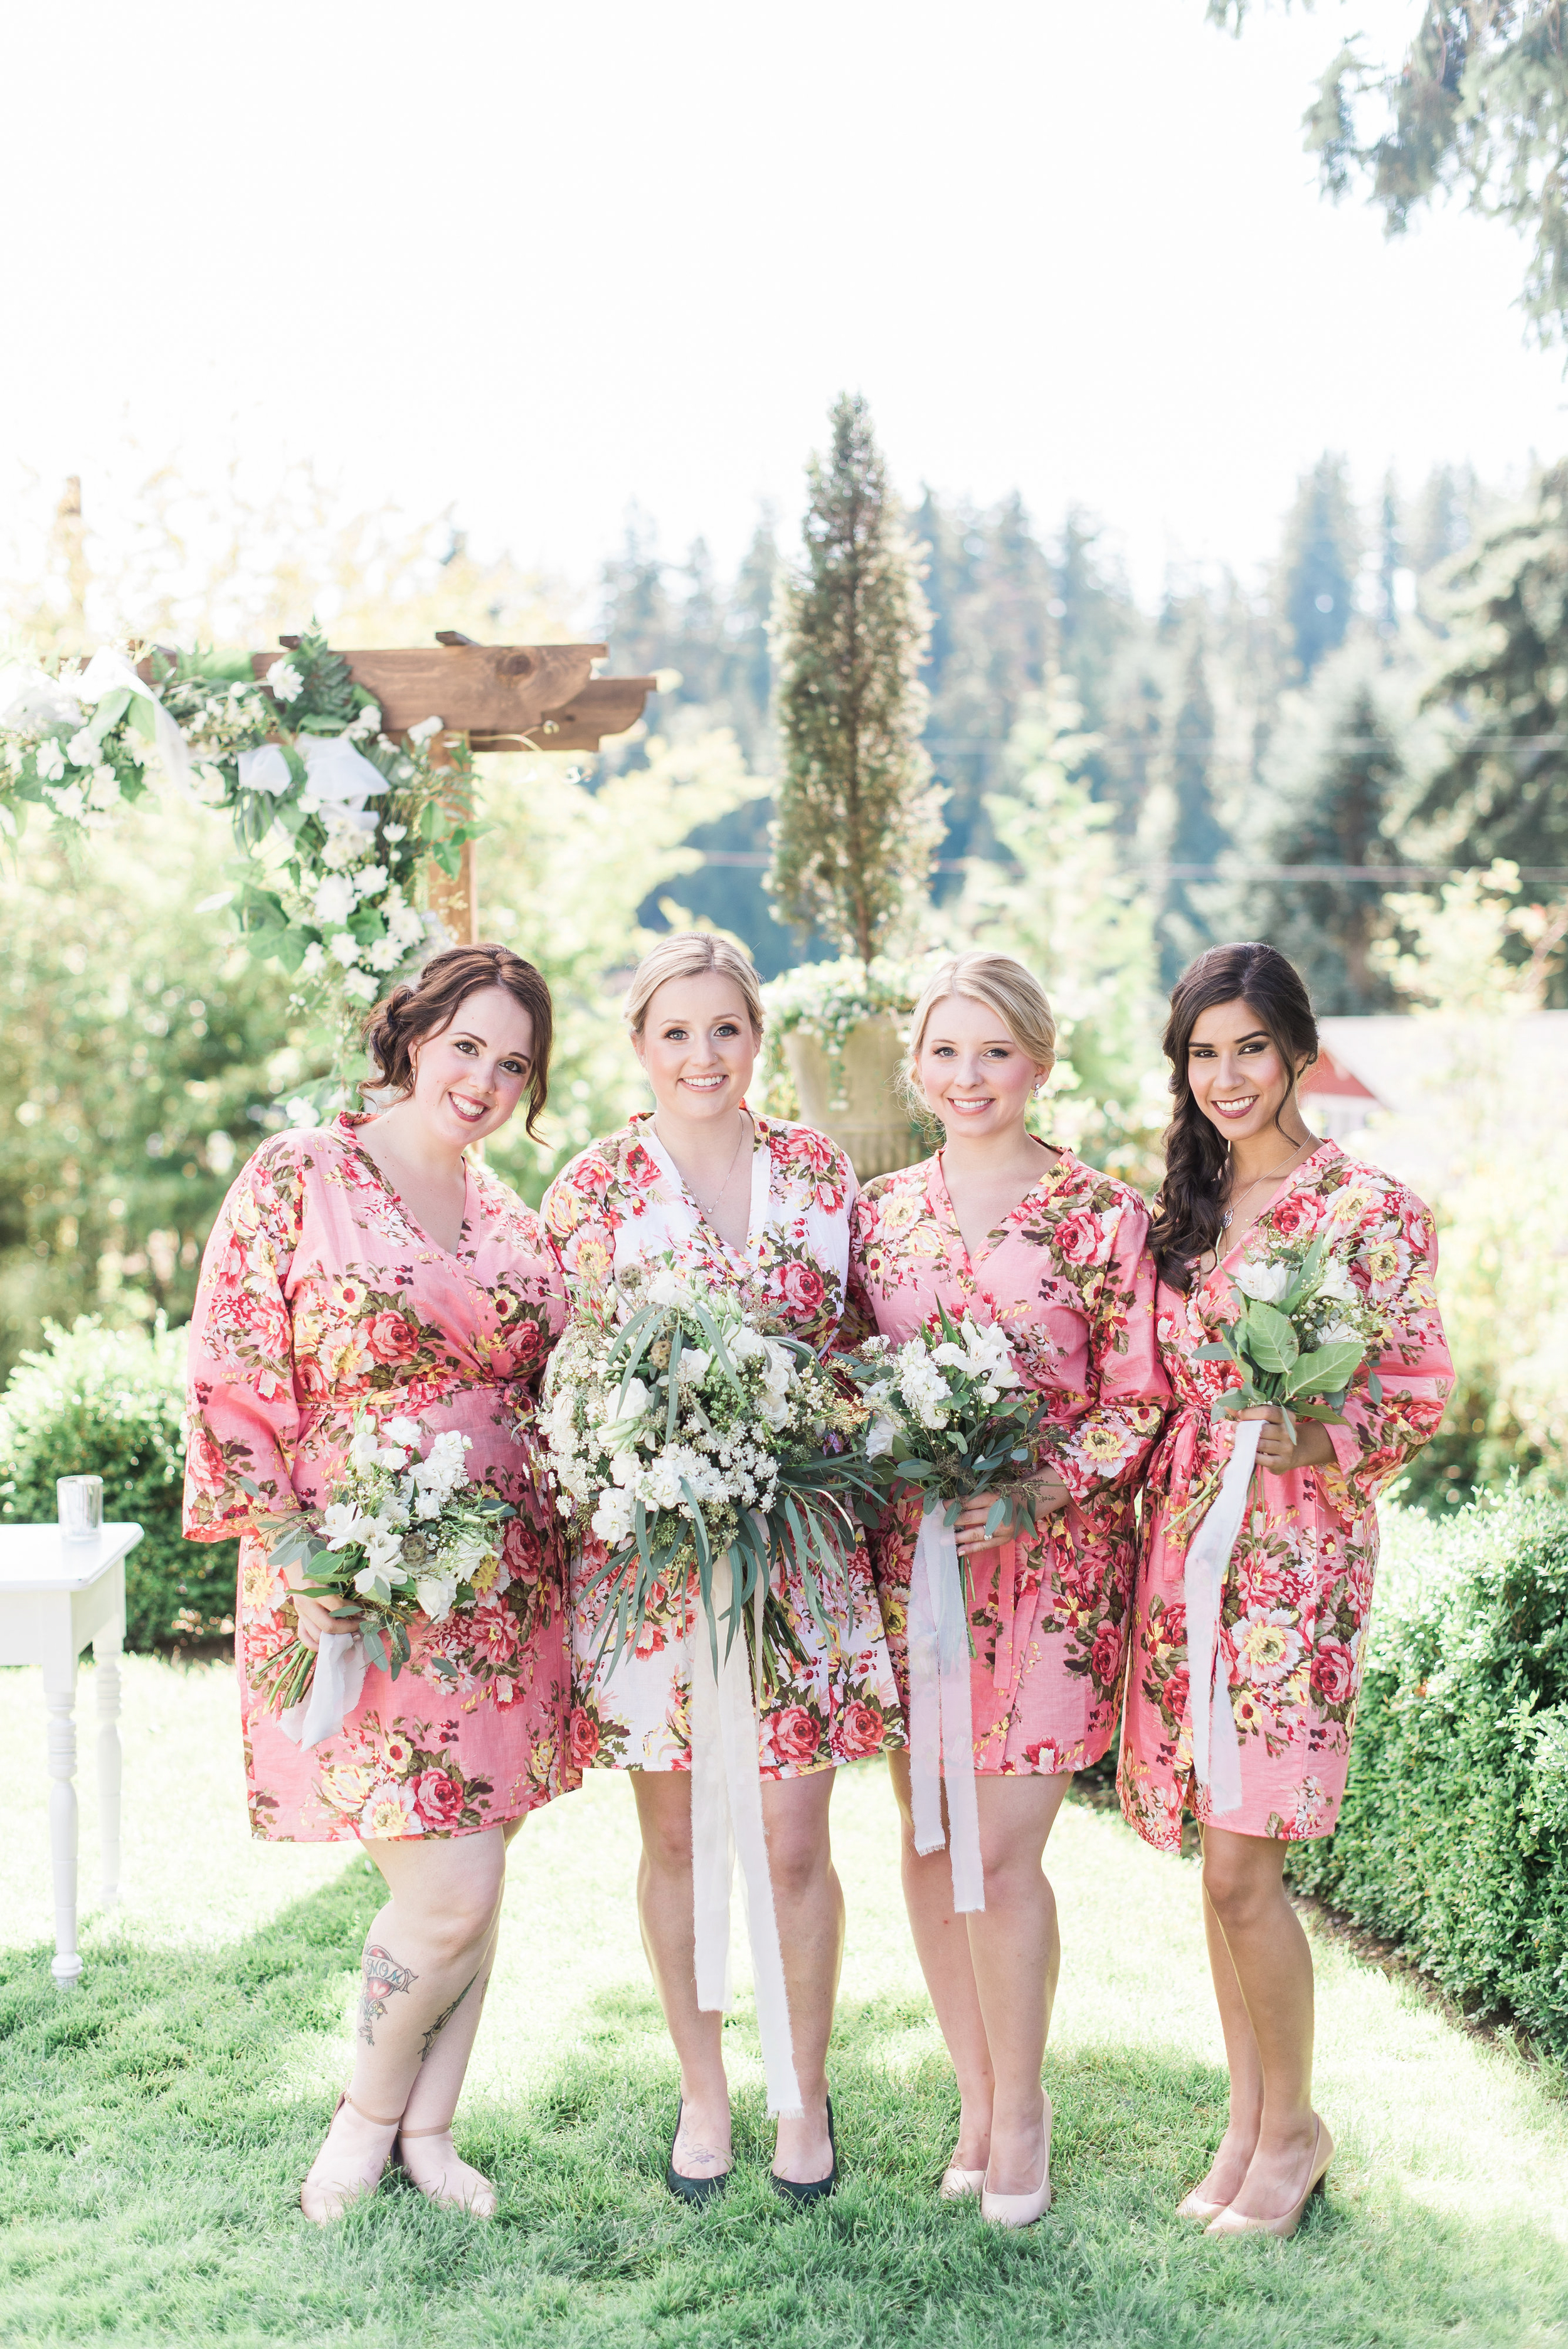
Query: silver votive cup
(79,1501)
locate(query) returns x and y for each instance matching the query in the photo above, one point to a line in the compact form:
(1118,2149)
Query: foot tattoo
(383,1976)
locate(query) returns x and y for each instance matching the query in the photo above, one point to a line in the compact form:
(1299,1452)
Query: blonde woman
(763,1208)
(1027,1239)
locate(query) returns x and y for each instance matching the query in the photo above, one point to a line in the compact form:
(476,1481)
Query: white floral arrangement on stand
(334,818)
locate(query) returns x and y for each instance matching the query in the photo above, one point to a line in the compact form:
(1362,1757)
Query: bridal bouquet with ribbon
(406,1533)
(697,1444)
(951,1416)
(1301,1329)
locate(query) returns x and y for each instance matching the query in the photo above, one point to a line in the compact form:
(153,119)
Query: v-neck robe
(1298,1588)
(1067,1274)
(622,1203)
(320,1294)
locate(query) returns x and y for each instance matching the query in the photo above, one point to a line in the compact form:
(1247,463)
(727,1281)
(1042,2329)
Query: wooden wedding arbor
(498,697)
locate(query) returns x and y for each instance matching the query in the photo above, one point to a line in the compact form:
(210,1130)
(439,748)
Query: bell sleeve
(242,1408)
(1394,1263)
(1105,1448)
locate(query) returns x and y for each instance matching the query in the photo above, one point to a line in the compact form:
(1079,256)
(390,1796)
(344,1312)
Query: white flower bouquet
(1302,1332)
(403,1534)
(952,1416)
(682,1432)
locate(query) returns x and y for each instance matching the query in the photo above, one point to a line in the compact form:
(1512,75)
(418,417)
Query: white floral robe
(622,1203)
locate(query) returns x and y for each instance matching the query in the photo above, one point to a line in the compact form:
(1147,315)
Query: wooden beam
(605,705)
(471,688)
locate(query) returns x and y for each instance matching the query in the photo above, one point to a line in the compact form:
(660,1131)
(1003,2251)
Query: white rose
(1266,1282)
(435,1593)
(614,1518)
(1335,1281)
(879,1438)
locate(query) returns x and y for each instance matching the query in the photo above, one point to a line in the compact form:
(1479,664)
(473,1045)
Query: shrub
(109,1403)
(1453,1841)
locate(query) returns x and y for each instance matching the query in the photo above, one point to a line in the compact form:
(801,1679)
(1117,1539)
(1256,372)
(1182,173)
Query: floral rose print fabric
(622,1203)
(1068,1276)
(319,1297)
(1298,1590)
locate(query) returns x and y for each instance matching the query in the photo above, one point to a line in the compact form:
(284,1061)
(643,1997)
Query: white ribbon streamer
(265,770)
(940,1719)
(333,1693)
(340,776)
(1216,1753)
(110,672)
(726,1823)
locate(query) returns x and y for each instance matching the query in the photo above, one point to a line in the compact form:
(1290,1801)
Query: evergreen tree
(638,619)
(858,821)
(1317,572)
(1333,786)
(1503,793)
(1390,559)
(1193,832)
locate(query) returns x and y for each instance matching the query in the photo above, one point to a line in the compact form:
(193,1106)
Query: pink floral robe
(622,1203)
(319,1295)
(1068,1276)
(1298,1590)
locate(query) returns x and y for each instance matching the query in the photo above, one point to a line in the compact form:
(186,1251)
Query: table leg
(106,1653)
(59,1696)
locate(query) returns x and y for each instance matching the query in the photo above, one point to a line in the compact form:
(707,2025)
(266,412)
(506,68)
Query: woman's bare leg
(942,1945)
(808,1903)
(1243,1885)
(664,1912)
(423,1954)
(1015,1951)
(1238,2144)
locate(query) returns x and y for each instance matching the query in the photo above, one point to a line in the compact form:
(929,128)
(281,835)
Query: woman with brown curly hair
(1244,1666)
(375,1266)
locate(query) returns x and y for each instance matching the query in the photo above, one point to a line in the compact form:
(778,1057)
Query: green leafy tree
(1478,108)
(1319,563)
(1332,788)
(858,820)
(1503,790)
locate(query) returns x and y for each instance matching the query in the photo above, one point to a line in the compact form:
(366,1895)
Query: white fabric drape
(110,672)
(726,1823)
(941,1719)
(333,1693)
(1216,1754)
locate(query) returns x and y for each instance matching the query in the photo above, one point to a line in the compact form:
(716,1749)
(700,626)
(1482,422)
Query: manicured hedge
(1453,1841)
(107,1402)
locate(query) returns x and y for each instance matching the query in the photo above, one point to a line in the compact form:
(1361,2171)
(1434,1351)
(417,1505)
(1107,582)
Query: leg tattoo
(445,2017)
(383,1976)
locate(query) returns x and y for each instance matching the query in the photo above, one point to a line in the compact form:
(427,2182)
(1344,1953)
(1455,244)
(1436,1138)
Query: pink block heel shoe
(1232,2222)
(1021,2210)
(455,2186)
(327,2190)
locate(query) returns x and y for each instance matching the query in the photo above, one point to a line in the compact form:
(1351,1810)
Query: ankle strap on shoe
(374,2119)
(445,2131)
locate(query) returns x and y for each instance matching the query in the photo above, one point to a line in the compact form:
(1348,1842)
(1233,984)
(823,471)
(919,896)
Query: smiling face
(469,1079)
(1240,1079)
(697,1046)
(975,1075)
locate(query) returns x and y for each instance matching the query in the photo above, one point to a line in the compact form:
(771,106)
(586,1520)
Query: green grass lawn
(157,2120)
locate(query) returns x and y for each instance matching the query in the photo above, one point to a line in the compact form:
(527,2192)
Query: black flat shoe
(690,2189)
(788,2191)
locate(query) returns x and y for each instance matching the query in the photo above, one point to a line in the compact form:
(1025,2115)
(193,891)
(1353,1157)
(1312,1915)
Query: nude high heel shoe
(960,2185)
(1022,2209)
(1192,2205)
(1231,2222)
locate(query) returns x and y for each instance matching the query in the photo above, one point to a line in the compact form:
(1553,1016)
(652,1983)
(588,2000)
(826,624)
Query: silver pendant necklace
(708,1210)
(1273,1176)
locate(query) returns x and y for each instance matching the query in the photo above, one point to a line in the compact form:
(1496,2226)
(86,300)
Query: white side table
(55,1597)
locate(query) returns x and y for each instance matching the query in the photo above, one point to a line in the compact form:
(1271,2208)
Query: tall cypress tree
(858,820)
(1322,553)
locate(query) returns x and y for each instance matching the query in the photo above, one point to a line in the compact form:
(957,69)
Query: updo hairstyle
(396,1027)
(688,954)
(1005,987)
(1190,1207)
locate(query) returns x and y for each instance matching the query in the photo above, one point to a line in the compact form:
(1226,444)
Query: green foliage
(1478,108)
(1318,564)
(858,822)
(1453,1841)
(1503,789)
(1335,792)
(143,1049)
(110,1403)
